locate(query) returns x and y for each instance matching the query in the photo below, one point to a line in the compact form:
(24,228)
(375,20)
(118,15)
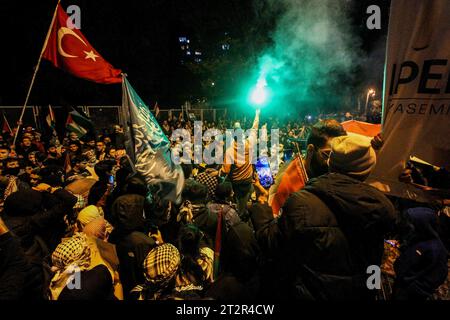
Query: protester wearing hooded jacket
(14,268)
(422,265)
(194,210)
(224,206)
(130,235)
(196,271)
(240,278)
(330,232)
(28,214)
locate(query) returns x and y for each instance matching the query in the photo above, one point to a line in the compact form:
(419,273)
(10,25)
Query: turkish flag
(290,179)
(69,50)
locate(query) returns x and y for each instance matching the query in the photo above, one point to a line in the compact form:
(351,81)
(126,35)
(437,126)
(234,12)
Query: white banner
(416,106)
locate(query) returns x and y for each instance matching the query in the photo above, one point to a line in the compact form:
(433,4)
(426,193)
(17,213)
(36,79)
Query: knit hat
(353,156)
(161,264)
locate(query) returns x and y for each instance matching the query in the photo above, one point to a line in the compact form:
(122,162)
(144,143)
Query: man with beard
(319,146)
(35,177)
(12,167)
(331,231)
(53,156)
(315,161)
(9,181)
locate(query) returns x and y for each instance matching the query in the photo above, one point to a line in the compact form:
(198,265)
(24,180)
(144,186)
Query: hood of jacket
(241,251)
(128,213)
(23,203)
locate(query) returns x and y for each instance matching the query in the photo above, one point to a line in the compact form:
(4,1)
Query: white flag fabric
(416,106)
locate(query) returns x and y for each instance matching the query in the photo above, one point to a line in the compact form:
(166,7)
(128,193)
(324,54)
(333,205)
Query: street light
(370,93)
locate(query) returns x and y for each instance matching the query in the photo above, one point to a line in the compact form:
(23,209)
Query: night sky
(141,38)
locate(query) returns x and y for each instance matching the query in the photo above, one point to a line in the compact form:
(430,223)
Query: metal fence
(103,117)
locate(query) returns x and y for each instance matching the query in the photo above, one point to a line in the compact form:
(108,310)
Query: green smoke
(314,55)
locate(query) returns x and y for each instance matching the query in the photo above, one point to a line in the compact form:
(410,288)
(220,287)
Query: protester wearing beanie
(352,156)
(329,232)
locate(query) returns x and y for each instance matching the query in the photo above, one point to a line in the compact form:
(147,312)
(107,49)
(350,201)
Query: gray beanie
(353,156)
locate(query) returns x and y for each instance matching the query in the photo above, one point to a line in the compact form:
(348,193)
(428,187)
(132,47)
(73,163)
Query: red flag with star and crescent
(68,49)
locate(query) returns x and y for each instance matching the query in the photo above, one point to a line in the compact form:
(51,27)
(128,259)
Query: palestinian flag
(6,127)
(51,118)
(51,122)
(80,124)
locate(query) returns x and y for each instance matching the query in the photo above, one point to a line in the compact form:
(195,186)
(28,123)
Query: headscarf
(89,214)
(94,216)
(70,255)
(97,228)
(161,264)
(160,267)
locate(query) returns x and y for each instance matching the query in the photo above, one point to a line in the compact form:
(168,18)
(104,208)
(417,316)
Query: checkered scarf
(160,267)
(10,189)
(161,264)
(12,186)
(81,201)
(209,181)
(70,253)
(206,262)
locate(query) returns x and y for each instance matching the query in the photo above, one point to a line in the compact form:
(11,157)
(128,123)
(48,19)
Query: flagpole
(35,72)
(133,144)
(302,166)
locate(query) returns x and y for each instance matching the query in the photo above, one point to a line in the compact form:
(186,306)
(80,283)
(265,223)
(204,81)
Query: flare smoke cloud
(314,53)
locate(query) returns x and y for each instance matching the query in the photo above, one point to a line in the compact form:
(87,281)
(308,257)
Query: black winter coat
(29,213)
(13,269)
(326,237)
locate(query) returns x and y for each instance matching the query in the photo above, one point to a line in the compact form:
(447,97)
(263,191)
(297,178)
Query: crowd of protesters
(77,223)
